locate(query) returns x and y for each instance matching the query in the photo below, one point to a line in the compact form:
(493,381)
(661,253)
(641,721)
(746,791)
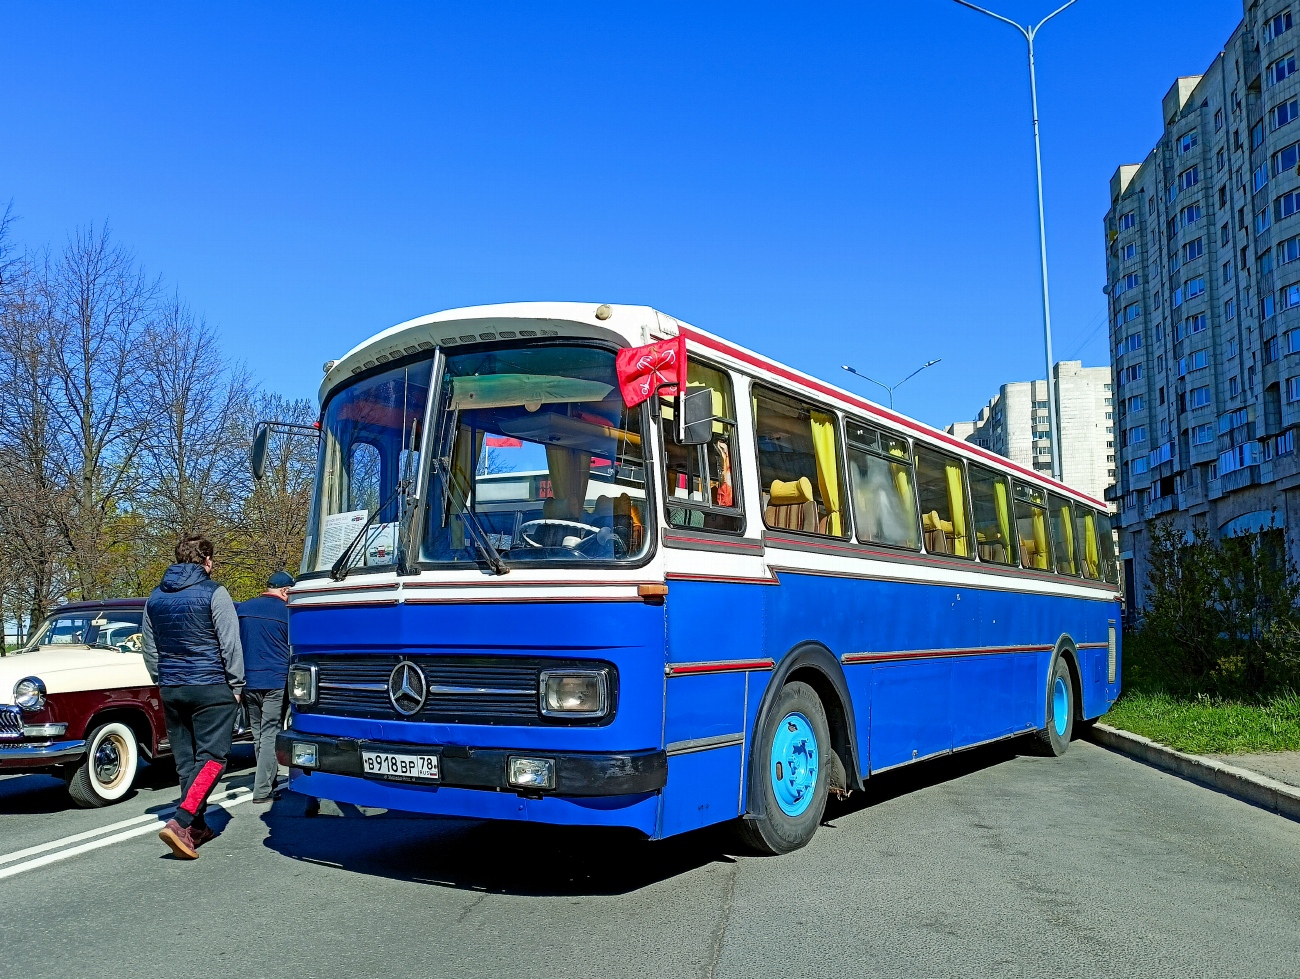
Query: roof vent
(603,312)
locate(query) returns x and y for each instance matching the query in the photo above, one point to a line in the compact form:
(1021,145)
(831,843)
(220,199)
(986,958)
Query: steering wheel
(588,531)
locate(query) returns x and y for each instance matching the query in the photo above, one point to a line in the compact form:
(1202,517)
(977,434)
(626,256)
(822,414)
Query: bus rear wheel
(1054,739)
(789,765)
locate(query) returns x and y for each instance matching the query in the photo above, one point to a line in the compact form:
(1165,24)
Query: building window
(1193,249)
(1256,136)
(1189,178)
(1266,263)
(1293,342)
(1220,158)
(1285,113)
(1160,363)
(1231,348)
(1195,361)
(1202,434)
(1127,221)
(1286,159)
(1230,309)
(1262,219)
(1280,69)
(1198,397)
(1234,386)
(1270,350)
(1218,120)
(1224,234)
(1278,26)
(1290,296)
(1284,443)
(1266,307)
(1260,177)
(1187,142)
(1160,395)
(1286,205)
(1136,403)
(1293,389)
(1288,251)
(1191,213)
(1130,250)
(1227,272)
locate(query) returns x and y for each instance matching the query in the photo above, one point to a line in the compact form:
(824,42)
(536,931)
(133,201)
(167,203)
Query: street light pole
(896,386)
(1029,34)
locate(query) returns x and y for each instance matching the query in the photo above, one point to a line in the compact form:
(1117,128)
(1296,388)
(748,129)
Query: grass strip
(1204,725)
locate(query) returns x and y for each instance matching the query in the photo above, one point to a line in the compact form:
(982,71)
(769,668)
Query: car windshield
(370,436)
(544,460)
(105,628)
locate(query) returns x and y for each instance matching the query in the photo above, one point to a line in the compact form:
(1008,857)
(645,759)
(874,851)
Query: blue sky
(828,184)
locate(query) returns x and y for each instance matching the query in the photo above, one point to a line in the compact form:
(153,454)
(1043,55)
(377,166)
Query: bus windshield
(370,438)
(537,452)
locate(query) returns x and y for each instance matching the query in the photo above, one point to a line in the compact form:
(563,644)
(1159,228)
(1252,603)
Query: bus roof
(631,326)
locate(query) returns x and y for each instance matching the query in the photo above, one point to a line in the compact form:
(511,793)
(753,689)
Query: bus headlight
(29,694)
(575,693)
(302,684)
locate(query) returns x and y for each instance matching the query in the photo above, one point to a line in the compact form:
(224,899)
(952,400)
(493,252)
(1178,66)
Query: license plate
(390,764)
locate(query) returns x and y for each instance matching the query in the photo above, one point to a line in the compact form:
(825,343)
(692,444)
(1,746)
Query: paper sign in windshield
(337,533)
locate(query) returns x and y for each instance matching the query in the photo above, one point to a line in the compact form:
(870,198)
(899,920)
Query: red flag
(502,442)
(643,370)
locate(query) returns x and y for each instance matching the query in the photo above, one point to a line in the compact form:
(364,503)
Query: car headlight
(29,694)
(302,684)
(575,693)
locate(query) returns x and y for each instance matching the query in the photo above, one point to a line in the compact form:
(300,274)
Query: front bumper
(20,755)
(577,774)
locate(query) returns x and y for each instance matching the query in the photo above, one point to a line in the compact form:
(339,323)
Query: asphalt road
(986,864)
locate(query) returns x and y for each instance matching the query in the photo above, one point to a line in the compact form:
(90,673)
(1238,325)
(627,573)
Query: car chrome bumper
(577,774)
(17,754)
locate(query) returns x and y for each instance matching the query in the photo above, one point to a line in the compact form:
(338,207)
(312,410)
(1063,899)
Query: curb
(1258,790)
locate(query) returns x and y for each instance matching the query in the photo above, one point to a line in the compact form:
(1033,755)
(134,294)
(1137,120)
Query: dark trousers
(200,723)
(264,710)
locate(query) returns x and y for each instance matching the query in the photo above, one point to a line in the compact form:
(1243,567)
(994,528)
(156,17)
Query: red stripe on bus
(727,666)
(849,658)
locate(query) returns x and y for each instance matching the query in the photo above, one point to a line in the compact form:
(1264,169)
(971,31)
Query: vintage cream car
(77,702)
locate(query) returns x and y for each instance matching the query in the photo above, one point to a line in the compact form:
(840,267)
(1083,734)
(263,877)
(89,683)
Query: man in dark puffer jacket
(192,651)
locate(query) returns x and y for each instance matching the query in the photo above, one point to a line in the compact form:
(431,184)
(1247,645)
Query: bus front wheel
(1054,739)
(790,769)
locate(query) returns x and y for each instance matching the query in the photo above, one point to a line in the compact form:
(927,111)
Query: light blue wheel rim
(1060,706)
(795,760)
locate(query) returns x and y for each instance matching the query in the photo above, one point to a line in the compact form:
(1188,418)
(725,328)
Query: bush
(1220,617)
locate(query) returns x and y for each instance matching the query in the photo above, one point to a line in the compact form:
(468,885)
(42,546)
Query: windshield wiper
(342,564)
(484,542)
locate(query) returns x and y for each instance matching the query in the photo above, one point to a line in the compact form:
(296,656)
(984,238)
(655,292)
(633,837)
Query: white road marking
(151,822)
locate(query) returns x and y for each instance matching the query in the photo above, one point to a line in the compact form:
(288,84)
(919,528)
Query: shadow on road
(547,861)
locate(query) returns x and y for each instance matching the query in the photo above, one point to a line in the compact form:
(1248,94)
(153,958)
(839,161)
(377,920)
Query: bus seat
(937,532)
(790,506)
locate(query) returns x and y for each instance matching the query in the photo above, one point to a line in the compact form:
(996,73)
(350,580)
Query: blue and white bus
(523,599)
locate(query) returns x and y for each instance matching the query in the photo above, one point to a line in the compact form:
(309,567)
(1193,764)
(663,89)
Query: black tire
(776,831)
(107,772)
(1051,741)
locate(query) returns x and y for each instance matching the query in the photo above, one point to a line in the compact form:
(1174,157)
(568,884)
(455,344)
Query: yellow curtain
(570,471)
(1091,563)
(828,470)
(906,500)
(1003,504)
(1040,538)
(957,506)
(1067,521)
(464,465)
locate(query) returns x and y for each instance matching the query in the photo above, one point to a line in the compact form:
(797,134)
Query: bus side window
(1031,527)
(880,472)
(940,487)
(799,466)
(1106,547)
(1063,534)
(702,482)
(990,495)
(1085,542)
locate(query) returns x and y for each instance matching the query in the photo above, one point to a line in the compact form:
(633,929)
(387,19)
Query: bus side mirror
(257,455)
(696,413)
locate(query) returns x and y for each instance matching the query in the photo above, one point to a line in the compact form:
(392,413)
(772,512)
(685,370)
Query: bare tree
(100,302)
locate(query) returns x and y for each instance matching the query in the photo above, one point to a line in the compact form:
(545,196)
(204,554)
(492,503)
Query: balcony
(1163,504)
(1240,479)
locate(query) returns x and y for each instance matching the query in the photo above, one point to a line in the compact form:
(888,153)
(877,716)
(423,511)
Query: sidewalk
(1270,781)
(1281,765)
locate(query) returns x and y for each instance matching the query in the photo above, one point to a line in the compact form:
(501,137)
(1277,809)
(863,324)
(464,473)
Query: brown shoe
(201,835)
(179,839)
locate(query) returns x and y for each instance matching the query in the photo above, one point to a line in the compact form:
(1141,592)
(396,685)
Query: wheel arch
(813,664)
(1068,650)
(132,716)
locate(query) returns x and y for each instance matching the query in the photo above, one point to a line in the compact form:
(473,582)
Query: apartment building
(1015,424)
(1203,278)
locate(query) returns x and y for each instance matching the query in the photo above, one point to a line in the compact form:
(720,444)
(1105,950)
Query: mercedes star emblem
(406,688)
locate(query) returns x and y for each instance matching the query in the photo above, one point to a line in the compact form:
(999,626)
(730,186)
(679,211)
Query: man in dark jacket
(192,651)
(264,636)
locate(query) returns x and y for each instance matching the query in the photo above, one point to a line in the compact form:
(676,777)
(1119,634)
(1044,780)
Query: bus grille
(461,689)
